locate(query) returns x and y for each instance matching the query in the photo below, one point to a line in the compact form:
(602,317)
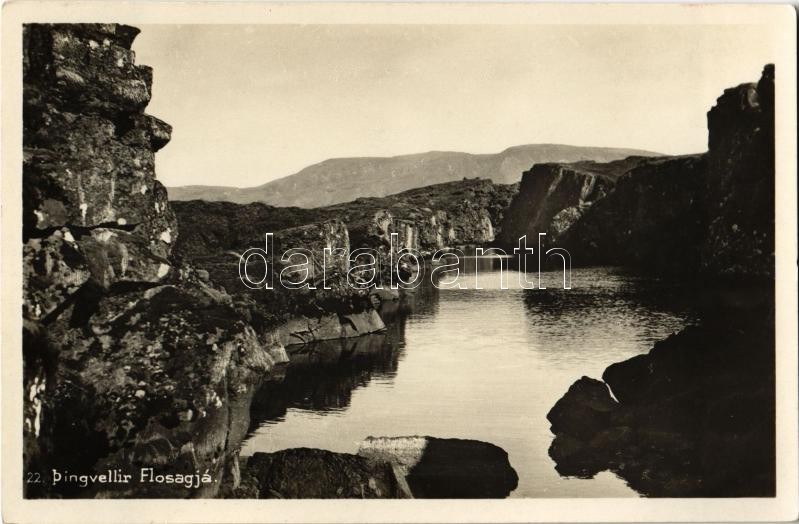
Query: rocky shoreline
(694,417)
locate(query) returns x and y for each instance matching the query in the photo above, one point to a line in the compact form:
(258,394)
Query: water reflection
(480,363)
(323,375)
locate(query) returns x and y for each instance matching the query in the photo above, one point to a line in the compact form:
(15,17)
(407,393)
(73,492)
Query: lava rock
(316,473)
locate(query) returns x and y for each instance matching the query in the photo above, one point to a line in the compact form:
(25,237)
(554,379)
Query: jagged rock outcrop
(710,214)
(92,209)
(552,197)
(652,220)
(462,213)
(740,182)
(130,359)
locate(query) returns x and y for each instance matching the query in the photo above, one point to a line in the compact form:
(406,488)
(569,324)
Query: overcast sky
(253,103)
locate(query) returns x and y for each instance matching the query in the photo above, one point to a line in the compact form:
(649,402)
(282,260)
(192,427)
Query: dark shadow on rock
(464,469)
(695,417)
(446,468)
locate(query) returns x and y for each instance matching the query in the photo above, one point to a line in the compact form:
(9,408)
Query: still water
(485,364)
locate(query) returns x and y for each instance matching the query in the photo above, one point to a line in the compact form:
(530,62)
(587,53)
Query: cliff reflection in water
(484,364)
(323,375)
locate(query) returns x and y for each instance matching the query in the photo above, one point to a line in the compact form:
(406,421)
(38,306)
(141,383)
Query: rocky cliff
(696,415)
(652,220)
(130,359)
(710,214)
(215,234)
(466,212)
(552,197)
(463,213)
(739,187)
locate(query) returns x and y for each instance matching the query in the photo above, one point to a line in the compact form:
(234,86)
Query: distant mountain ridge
(338,180)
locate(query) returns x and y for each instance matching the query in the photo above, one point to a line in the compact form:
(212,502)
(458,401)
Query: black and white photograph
(404,258)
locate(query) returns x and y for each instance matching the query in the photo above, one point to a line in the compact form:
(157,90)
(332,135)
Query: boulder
(445,467)
(585,409)
(319,474)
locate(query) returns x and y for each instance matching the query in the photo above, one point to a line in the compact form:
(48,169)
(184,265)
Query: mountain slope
(344,179)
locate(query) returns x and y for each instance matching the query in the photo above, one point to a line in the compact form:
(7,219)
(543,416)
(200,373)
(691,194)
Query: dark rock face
(552,197)
(646,213)
(92,209)
(694,417)
(740,181)
(131,359)
(710,214)
(652,220)
(319,474)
